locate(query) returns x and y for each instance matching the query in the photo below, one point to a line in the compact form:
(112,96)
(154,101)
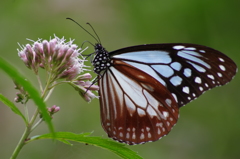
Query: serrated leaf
(108,144)
(11,105)
(32,91)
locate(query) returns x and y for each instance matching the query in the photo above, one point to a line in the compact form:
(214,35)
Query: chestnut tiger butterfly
(142,87)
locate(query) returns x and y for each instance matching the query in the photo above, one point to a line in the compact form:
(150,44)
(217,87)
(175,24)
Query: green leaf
(108,144)
(32,91)
(12,106)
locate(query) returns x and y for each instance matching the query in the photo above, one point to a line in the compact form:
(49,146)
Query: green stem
(62,82)
(20,143)
(38,123)
(40,83)
(24,137)
(46,87)
(30,127)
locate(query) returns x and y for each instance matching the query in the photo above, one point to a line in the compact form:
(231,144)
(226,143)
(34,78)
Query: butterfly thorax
(101,61)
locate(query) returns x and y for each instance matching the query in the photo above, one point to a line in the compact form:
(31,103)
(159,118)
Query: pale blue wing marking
(164,70)
(197,67)
(147,69)
(146,56)
(176,66)
(192,58)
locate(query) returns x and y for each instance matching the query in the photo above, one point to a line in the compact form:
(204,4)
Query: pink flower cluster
(61,60)
(56,56)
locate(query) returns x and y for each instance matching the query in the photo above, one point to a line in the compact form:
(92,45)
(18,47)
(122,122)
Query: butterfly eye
(144,86)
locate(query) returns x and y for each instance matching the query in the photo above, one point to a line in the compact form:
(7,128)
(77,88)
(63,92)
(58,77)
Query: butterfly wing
(187,70)
(135,107)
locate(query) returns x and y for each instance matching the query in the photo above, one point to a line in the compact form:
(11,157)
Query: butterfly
(142,87)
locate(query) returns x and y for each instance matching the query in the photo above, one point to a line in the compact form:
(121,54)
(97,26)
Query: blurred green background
(208,127)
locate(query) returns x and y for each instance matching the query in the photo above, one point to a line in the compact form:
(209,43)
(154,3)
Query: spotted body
(101,61)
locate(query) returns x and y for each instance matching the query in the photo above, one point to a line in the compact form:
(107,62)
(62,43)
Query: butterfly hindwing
(138,108)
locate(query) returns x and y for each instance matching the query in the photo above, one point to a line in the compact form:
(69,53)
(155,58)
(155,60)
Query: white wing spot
(200,88)
(206,84)
(202,51)
(222,67)
(159,131)
(159,124)
(213,82)
(169,102)
(198,80)
(121,134)
(147,128)
(190,48)
(219,74)
(168,124)
(134,136)
(163,129)
(141,77)
(186,89)
(149,135)
(128,135)
(221,59)
(175,97)
(194,95)
(189,98)
(211,76)
(142,136)
(178,47)
(165,114)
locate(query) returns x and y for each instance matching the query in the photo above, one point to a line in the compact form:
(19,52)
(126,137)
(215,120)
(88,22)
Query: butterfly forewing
(142,87)
(138,109)
(187,70)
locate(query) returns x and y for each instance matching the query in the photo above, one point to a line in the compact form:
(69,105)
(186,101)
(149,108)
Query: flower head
(61,60)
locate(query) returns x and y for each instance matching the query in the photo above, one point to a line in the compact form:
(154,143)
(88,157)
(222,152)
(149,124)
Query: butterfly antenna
(97,39)
(95,32)
(87,42)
